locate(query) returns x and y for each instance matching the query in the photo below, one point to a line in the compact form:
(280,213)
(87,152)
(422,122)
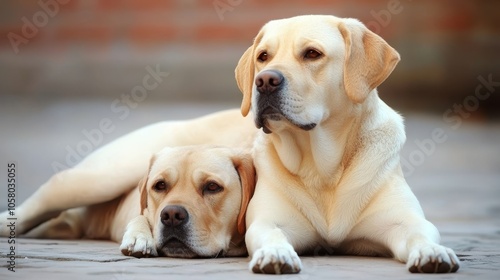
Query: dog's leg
(138,240)
(409,237)
(104,175)
(76,187)
(68,225)
(271,251)
(276,232)
(417,244)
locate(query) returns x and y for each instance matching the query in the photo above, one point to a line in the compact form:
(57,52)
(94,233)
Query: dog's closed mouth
(175,243)
(176,248)
(269,113)
(306,127)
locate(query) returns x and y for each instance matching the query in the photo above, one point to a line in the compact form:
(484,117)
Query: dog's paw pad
(433,259)
(276,260)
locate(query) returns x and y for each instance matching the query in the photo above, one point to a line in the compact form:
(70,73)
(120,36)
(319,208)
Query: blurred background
(67,65)
(99,48)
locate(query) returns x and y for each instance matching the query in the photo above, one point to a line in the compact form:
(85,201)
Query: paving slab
(457,183)
(85,259)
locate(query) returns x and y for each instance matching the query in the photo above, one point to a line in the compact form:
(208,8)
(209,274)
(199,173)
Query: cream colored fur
(329,171)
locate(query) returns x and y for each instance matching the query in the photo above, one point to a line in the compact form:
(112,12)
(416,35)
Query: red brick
(222,3)
(34,41)
(325,3)
(265,3)
(218,32)
(456,22)
(72,5)
(109,5)
(84,33)
(28,6)
(150,5)
(248,31)
(148,34)
(31,7)
(4,32)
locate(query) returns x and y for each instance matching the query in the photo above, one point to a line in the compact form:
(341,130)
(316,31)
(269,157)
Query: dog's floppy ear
(244,73)
(144,193)
(244,166)
(143,187)
(368,59)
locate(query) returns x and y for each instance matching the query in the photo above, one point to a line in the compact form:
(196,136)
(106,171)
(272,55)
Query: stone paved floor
(457,181)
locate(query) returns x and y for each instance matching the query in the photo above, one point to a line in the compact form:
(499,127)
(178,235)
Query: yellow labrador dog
(193,199)
(193,203)
(328,161)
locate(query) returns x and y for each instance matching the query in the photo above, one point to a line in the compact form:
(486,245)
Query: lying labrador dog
(193,203)
(193,199)
(328,162)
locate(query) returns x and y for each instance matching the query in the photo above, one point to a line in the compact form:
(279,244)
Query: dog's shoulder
(382,129)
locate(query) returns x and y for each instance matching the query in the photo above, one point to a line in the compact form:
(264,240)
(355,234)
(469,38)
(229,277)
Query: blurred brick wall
(89,48)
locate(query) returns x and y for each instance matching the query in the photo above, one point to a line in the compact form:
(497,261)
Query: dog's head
(195,200)
(306,69)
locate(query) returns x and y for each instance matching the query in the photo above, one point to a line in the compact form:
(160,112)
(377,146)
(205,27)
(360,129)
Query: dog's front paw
(139,246)
(433,259)
(138,240)
(276,260)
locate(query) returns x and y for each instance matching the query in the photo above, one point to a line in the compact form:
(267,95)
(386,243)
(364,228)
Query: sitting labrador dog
(193,199)
(328,162)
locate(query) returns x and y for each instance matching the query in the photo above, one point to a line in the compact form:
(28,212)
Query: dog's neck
(312,155)
(318,156)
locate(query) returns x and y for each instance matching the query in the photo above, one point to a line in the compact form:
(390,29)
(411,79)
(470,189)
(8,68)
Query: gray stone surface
(457,181)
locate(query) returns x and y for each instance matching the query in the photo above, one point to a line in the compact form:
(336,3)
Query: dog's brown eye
(262,56)
(211,188)
(160,186)
(312,54)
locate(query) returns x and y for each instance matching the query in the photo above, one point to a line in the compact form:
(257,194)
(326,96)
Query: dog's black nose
(269,81)
(174,216)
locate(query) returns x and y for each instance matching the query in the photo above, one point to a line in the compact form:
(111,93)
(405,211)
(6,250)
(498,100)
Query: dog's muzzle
(270,85)
(175,243)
